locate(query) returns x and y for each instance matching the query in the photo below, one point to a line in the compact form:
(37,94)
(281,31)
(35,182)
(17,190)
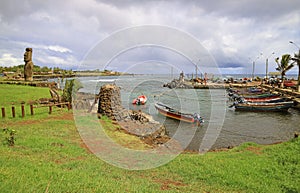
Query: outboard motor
(198,118)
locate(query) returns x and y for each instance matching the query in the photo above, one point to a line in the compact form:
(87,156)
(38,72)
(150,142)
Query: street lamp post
(267,68)
(298,65)
(253,65)
(197,69)
(267,63)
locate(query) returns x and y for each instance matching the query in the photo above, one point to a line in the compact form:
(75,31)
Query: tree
(45,69)
(71,87)
(284,65)
(296,60)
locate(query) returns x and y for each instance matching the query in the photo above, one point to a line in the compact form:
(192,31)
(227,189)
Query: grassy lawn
(49,156)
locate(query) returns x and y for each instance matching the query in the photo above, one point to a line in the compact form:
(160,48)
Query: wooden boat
(256,98)
(254,90)
(277,106)
(175,114)
(248,91)
(263,95)
(289,83)
(263,99)
(140,100)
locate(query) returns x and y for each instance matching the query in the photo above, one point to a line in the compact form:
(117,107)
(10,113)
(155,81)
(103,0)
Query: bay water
(223,127)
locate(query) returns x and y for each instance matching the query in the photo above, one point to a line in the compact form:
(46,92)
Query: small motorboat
(254,90)
(140,100)
(175,114)
(275,106)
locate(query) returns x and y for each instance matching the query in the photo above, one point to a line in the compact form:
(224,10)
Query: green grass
(16,95)
(49,156)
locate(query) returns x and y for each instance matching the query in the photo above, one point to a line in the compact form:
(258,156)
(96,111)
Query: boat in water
(175,114)
(254,90)
(259,101)
(140,100)
(263,100)
(275,106)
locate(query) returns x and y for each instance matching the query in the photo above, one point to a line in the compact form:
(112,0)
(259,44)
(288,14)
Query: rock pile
(178,84)
(84,101)
(133,122)
(110,102)
(151,133)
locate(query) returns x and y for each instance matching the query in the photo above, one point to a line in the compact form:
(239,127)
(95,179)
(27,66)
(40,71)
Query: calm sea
(223,126)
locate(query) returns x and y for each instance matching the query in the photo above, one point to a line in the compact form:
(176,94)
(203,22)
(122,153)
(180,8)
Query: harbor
(182,83)
(289,93)
(212,104)
(150,96)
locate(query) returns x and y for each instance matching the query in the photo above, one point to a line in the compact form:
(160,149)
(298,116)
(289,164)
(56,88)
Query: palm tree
(296,59)
(284,65)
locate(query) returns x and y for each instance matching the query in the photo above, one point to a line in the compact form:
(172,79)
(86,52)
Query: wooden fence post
(23,111)
(50,109)
(13,111)
(31,109)
(3,112)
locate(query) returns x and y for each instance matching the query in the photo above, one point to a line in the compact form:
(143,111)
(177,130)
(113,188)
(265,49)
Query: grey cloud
(232,31)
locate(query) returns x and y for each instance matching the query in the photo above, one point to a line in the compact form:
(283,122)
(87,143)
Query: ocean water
(223,127)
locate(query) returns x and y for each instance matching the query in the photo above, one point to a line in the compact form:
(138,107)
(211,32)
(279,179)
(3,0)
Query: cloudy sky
(64,33)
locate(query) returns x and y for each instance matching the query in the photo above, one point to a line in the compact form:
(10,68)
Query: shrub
(71,87)
(10,139)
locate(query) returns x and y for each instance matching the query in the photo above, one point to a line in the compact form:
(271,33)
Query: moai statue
(28,68)
(181,77)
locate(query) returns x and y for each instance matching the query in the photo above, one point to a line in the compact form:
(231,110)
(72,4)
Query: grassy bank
(49,156)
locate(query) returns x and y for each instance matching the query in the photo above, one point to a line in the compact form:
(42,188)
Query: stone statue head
(28,55)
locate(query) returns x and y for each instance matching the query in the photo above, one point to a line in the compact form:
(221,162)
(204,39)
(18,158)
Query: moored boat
(263,100)
(259,101)
(140,100)
(254,90)
(175,114)
(275,106)
(264,95)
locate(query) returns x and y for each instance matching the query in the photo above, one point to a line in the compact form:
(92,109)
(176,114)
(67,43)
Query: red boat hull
(140,100)
(174,114)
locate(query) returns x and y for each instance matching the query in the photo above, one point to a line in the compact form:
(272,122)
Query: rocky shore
(197,83)
(133,122)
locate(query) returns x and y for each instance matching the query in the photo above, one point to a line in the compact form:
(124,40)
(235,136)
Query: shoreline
(289,93)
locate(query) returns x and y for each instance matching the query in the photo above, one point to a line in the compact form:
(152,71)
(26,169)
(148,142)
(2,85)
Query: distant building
(274,74)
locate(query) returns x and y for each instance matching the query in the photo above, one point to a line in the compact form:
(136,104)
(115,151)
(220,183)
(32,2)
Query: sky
(69,34)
